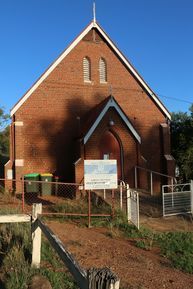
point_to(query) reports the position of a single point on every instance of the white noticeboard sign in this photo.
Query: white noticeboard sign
(100, 174)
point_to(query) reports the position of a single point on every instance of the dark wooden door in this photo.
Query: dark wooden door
(110, 149)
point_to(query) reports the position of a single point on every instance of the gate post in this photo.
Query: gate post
(23, 193)
(163, 201)
(128, 203)
(36, 236)
(136, 180)
(191, 195)
(121, 196)
(137, 211)
(89, 208)
(122, 184)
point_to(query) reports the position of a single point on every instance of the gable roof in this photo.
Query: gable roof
(99, 112)
(92, 25)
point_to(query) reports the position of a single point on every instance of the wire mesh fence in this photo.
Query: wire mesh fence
(11, 200)
(68, 199)
(57, 198)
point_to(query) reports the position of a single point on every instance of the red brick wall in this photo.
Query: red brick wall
(79, 168)
(127, 140)
(46, 141)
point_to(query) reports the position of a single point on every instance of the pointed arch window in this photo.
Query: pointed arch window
(103, 70)
(86, 69)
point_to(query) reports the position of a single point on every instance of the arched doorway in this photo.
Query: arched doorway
(110, 148)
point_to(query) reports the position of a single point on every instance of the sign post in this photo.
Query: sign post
(99, 175)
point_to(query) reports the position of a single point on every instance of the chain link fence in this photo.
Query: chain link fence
(57, 198)
(68, 200)
(11, 200)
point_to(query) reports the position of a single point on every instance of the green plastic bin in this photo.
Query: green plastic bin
(30, 186)
(46, 186)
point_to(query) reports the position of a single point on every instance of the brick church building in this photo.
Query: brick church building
(90, 103)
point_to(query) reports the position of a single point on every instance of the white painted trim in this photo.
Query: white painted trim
(15, 218)
(18, 123)
(93, 24)
(51, 68)
(19, 162)
(112, 103)
(169, 157)
(164, 124)
(76, 162)
(143, 158)
(9, 175)
(123, 58)
(7, 163)
(129, 125)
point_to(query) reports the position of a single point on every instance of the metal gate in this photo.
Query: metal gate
(177, 199)
(127, 200)
(133, 206)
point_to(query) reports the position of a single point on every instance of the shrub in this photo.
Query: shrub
(178, 248)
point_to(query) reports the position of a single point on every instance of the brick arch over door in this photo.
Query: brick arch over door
(110, 147)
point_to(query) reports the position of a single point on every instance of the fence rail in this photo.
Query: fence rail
(68, 199)
(57, 198)
(93, 278)
(65, 199)
(151, 179)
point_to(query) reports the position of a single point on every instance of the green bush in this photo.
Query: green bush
(178, 248)
(58, 280)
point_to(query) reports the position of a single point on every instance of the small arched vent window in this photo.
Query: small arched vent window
(103, 70)
(86, 69)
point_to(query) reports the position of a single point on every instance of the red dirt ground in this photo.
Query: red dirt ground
(136, 268)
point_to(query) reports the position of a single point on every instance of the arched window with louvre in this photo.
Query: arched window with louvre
(102, 70)
(87, 69)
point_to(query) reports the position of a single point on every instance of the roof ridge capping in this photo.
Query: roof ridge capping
(93, 24)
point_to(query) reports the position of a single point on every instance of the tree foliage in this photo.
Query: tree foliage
(182, 142)
(4, 142)
(4, 133)
(3, 119)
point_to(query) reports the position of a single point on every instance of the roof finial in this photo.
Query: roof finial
(94, 12)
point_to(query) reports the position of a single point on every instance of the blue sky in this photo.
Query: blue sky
(156, 37)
